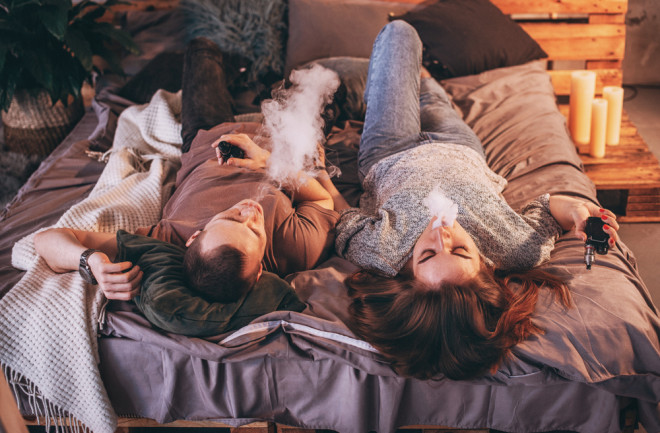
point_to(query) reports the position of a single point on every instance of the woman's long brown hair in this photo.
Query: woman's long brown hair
(456, 330)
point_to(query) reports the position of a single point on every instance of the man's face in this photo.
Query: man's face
(242, 227)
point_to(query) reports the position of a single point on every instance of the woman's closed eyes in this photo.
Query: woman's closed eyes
(459, 251)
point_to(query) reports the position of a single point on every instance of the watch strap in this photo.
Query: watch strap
(84, 268)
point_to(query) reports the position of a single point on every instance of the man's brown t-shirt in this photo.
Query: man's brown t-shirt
(299, 237)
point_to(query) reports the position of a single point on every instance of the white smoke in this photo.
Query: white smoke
(441, 207)
(293, 121)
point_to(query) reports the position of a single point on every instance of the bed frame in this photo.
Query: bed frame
(576, 34)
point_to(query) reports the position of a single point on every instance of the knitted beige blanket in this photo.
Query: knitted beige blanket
(48, 321)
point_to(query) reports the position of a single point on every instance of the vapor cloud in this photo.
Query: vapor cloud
(293, 121)
(441, 207)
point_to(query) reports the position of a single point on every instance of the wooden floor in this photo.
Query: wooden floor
(628, 177)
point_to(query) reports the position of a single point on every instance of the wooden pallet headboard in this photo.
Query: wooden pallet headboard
(596, 36)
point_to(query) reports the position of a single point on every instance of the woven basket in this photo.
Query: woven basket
(34, 126)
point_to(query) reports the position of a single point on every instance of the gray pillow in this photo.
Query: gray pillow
(353, 73)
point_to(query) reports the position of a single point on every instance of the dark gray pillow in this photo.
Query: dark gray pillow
(353, 73)
(467, 37)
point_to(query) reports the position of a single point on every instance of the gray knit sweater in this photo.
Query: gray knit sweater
(381, 233)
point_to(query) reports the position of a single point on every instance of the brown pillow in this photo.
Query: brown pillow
(332, 28)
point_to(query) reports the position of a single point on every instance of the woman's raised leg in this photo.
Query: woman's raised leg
(440, 122)
(392, 95)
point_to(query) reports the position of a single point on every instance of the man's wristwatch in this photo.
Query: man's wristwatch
(84, 269)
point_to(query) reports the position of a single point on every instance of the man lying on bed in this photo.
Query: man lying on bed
(230, 237)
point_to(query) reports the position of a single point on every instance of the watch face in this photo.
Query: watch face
(87, 275)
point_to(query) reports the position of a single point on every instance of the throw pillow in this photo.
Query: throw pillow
(331, 28)
(352, 72)
(167, 303)
(466, 37)
(254, 29)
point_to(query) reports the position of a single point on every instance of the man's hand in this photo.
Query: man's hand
(119, 281)
(61, 249)
(255, 157)
(571, 213)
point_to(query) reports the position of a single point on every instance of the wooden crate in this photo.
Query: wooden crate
(593, 33)
(627, 177)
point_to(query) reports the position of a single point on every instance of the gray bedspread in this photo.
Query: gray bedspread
(307, 369)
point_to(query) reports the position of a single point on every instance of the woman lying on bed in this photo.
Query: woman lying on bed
(435, 300)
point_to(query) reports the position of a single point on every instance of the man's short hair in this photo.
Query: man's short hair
(218, 275)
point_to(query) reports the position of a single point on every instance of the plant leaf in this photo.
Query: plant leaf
(3, 56)
(95, 13)
(22, 3)
(9, 79)
(41, 70)
(79, 46)
(55, 18)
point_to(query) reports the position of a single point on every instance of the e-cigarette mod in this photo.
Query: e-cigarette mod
(228, 150)
(597, 240)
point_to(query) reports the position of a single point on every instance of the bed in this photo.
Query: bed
(596, 363)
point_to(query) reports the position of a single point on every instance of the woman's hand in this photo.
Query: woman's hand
(571, 213)
(120, 281)
(255, 157)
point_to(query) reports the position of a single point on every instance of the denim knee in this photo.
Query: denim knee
(403, 33)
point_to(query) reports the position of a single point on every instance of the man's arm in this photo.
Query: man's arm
(338, 200)
(256, 158)
(61, 248)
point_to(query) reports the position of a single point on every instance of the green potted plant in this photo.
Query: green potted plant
(47, 52)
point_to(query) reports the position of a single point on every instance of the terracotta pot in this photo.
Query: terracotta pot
(34, 126)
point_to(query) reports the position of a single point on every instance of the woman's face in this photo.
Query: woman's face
(445, 254)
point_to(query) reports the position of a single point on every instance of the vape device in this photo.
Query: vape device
(597, 240)
(228, 150)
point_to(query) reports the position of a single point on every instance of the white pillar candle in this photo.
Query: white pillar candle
(583, 87)
(614, 97)
(598, 127)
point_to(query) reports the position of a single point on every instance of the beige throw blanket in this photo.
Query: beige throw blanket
(48, 321)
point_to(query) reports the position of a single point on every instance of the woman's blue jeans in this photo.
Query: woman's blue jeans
(402, 111)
